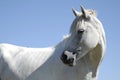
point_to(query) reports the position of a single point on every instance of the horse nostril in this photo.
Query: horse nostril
(80, 31)
(64, 57)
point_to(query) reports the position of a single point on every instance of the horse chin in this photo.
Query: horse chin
(69, 64)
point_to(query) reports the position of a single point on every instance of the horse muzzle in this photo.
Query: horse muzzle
(70, 61)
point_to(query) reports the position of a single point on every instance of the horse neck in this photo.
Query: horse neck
(63, 45)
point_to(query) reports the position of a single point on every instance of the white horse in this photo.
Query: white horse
(83, 49)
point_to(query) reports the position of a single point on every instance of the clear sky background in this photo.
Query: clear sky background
(42, 23)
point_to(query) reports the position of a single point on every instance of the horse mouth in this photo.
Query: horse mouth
(67, 62)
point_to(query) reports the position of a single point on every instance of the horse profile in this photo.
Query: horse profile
(76, 57)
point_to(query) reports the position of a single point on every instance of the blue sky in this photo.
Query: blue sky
(42, 23)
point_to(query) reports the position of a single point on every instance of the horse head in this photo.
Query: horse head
(84, 36)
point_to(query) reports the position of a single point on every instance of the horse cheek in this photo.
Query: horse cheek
(92, 40)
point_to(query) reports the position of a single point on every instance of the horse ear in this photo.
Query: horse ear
(83, 12)
(76, 13)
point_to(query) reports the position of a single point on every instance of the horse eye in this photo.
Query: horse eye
(80, 31)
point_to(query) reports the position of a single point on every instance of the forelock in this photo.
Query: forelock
(91, 12)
